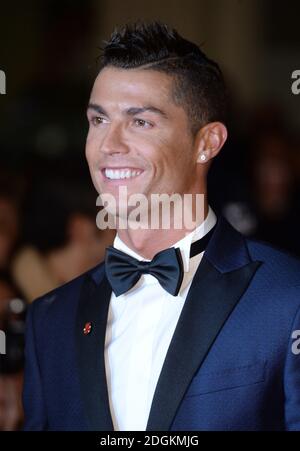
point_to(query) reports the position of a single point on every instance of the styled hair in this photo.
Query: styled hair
(198, 84)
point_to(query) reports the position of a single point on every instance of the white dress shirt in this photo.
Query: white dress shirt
(139, 330)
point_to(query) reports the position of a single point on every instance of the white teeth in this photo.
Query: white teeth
(116, 174)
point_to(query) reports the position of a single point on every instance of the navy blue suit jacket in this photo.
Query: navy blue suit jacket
(232, 363)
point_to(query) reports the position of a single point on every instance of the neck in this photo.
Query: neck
(149, 242)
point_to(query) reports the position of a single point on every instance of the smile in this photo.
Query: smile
(121, 173)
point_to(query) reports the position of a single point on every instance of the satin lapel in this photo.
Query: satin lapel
(93, 308)
(211, 298)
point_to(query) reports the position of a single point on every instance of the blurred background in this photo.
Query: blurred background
(48, 51)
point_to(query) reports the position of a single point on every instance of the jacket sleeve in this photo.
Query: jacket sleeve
(33, 400)
(292, 378)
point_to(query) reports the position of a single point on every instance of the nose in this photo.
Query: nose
(114, 142)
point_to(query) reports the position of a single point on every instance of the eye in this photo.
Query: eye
(141, 123)
(97, 120)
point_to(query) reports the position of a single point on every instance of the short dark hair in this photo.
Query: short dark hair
(198, 86)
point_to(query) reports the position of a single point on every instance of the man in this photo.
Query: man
(179, 329)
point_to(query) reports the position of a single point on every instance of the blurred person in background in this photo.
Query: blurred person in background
(12, 323)
(12, 308)
(9, 219)
(260, 175)
(274, 180)
(60, 237)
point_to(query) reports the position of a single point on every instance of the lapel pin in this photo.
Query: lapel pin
(87, 328)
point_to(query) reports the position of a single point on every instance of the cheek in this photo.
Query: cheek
(90, 148)
(175, 158)
(88, 154)
(183, 153)
(91, 136)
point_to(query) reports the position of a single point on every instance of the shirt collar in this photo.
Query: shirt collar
(184, 243)
(199, 232)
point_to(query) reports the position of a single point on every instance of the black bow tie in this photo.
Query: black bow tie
(123, 271)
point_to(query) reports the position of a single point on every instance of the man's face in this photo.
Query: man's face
(136, 128)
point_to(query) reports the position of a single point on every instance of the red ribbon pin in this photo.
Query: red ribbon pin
(87, 328)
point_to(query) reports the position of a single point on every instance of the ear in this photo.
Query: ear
(210, 140)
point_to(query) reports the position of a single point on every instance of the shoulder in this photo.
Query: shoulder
(66, 297)
(274, 291)
(278, 267)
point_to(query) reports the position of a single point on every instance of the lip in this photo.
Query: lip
(119, 181)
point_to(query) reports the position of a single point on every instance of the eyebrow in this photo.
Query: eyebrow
(132, 111)
(97, 108)
(138, 110)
